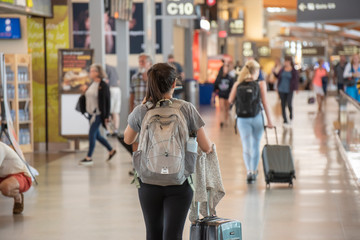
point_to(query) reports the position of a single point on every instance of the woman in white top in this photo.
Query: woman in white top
(98, 107)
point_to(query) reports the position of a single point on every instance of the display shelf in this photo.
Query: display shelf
(19, 92)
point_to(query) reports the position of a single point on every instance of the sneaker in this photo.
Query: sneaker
(254, 175)
(19, 206)
(111, 154)
(86, 162)
(249, 177)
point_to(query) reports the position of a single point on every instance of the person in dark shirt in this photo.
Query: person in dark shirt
(222, 87)
(180, 74)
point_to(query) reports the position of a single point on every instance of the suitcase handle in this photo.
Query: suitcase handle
(266, 135)
(207, 206)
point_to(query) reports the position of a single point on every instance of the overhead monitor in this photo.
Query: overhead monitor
(10, 28)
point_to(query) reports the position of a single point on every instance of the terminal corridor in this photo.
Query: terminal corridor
(98, 202)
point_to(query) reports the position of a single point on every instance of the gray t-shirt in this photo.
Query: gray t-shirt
(192, 116)
(112, 76)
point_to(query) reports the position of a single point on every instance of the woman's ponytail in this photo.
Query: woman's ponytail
(161, 77)
(249, 69)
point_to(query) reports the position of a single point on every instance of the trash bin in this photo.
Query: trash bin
(192, 92)
(206, 91)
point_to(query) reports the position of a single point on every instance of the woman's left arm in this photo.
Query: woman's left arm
(130, 135)
(265, 105)
(232, 95)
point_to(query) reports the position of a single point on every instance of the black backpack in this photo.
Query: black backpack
(248, 99)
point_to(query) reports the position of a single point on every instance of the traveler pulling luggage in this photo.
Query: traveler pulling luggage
(277, 162)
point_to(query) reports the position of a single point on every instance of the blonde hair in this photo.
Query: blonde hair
(100, 70)
(249, 69)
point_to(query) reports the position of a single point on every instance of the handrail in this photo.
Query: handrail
(350, 99)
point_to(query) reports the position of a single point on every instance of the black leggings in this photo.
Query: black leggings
(286, 99)
(165, 210)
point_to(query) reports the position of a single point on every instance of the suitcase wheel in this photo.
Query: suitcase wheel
(291, 184)
(268, 184)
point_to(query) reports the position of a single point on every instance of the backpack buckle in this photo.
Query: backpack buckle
(158, 104)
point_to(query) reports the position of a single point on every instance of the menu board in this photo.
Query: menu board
(74, 66)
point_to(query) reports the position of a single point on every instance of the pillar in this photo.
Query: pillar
(254, 19)
(122, 54)
(97, 32)
(150, 28)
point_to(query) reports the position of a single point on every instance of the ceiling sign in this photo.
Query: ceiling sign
(264, 51)
(328, 10)
(180, 8)
(236, 27)
(313, 51)
(346, 50)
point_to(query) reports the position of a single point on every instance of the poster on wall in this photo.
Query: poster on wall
(136, 29)
(74, 66)
(81, 28)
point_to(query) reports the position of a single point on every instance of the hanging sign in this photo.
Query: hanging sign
(327, 10)
(236, 27)
(313, 51)
(346, 50)
(180, 8)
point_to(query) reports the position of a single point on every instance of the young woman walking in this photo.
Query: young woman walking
(288, 82)
(165, 207)
(318, 87)
(251, 128)
(98, 106)
(222, 87)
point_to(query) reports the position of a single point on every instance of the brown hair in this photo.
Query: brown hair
(161, 77)
(100, 70)
(290, 59)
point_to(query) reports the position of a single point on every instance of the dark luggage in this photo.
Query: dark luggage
(278, 163)
(215, 228)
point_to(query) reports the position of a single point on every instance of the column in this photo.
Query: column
(122, 52)
(188, 60)
(254, 18)
(97, 32)
(167, 37)
(150, 28)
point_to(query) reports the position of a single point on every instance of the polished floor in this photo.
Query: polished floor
(98, 202)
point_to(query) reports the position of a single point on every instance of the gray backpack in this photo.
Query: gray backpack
(161, 158)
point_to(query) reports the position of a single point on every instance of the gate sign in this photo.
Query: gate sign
(313, 51)
(180, 8)
(327, 10)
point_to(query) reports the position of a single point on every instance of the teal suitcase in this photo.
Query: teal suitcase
(215, 228)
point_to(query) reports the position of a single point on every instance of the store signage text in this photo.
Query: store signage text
(180, 7)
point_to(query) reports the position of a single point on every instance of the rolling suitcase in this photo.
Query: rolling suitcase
(215, 228)
(277, 162)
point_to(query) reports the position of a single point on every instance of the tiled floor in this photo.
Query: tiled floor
(76, 202)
